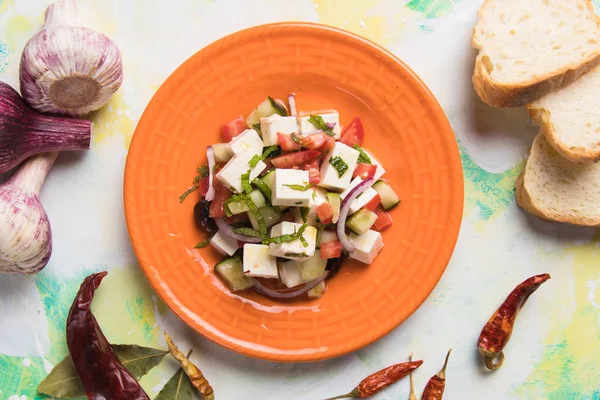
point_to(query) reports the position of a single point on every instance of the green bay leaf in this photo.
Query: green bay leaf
(63, 381)
(179, 387)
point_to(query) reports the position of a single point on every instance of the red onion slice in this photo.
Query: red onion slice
(227, 230)
(210, 154)
(276, 294)
(292, 102)
(345, 209)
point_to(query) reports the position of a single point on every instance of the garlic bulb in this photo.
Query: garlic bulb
(69, 69)
(25, 233)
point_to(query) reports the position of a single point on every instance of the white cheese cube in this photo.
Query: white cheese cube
(318, 196)
(326, 236)
(224, 244)
(363, 199)
(352, 185)
(258, 262)
(231, 174)
(367, 246)
(330, 178)
(246, 141)
(284, 195)
(293, 250)
(330, 118)
(269, 127)
(380, 170)
(222, 152)
(290, 273)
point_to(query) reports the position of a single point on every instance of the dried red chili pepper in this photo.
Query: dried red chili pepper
(100, 371)
(380, 380)
(434, 390)
(496, 333)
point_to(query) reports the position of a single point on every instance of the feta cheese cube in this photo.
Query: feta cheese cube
(246, 141)
(318, 196)
(231, 174)
(363, 199)
(368, 245)
(293, 250)
(269, 127)
(380, 170)
(352, 185)
(290, 273)
(329, 118)
(326, 236)
(284, 195)
(330, 178)
(258, 262)
(224, 244)
(222, 152)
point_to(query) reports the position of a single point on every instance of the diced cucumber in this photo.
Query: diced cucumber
(314, 267)
(238, 207)
(222, 153)
(265, 109)
(361, 221)
(325, 236)
(271, 216)
(269, 179)
(318, 291)
(232, 272)
(335, 201)
(389, 198)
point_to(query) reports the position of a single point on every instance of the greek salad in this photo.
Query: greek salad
(287, 196)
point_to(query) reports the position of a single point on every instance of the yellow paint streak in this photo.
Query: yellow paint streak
(111, 120)
(19, 26)
(5, 5)
(338, 13)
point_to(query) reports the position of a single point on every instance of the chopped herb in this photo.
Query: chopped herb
(263, 187)
(246, 182)
(187, 193)
(288, 238)
(304, 213)
(278, 108)
(296, 138)
(256, 127)
(363, 157)
(247, 232)
(303, 241)
(340, 165)
(320, 124)
(234, 198)
(299, 188)
(202, 244)
(296, 255)
(202, 171)
(314, 195)
(197, 180)
(268, 150)
(298, 203)
(254, 160)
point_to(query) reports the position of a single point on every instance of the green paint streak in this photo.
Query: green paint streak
(3, 55)
(492, 192)
(432, 8)
(138, 310)
(17, 379)
(596, 5)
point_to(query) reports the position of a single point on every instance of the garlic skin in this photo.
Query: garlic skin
(69, 69)
(25, 232)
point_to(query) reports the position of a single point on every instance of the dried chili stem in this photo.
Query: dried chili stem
(380, 380)
(412, 395)
(434, 390)
(196, 377)
(498, 330)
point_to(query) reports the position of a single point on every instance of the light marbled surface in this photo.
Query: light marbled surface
(554, 352)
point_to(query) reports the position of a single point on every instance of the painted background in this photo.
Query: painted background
(555, 351)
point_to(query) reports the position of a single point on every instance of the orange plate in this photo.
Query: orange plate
(327, 68)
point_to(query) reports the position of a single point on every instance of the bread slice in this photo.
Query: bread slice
(554, 188)
(570, 118)
(527, 48)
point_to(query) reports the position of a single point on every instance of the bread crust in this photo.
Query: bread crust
(542, 117)
(527, 203)
(497, 94)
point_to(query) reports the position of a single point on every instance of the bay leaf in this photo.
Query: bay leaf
(63, 381)
(179, 387)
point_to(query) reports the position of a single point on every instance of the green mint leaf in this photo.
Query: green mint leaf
(247, 232)
(304, 213)
(296, 254)
(296, 138)
(340, 165)
(203, 244)
(363, 157)
(278, 108)
(320, 124)
(269, 150)
(263, 187)
(189, 191)
(202, 171)
(299, 188)
(246, 182)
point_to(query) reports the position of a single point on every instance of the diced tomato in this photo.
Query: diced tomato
(364, 171)
(203, 186)
(328, 144)
(233, 128)
(286, 142)
(353, 133)
(325, 213)
(313, 141)
(331, 249)
(221, 194)
(384, 220)
(291, 159)
(314, 171)
(373, 203)
(237, 218)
